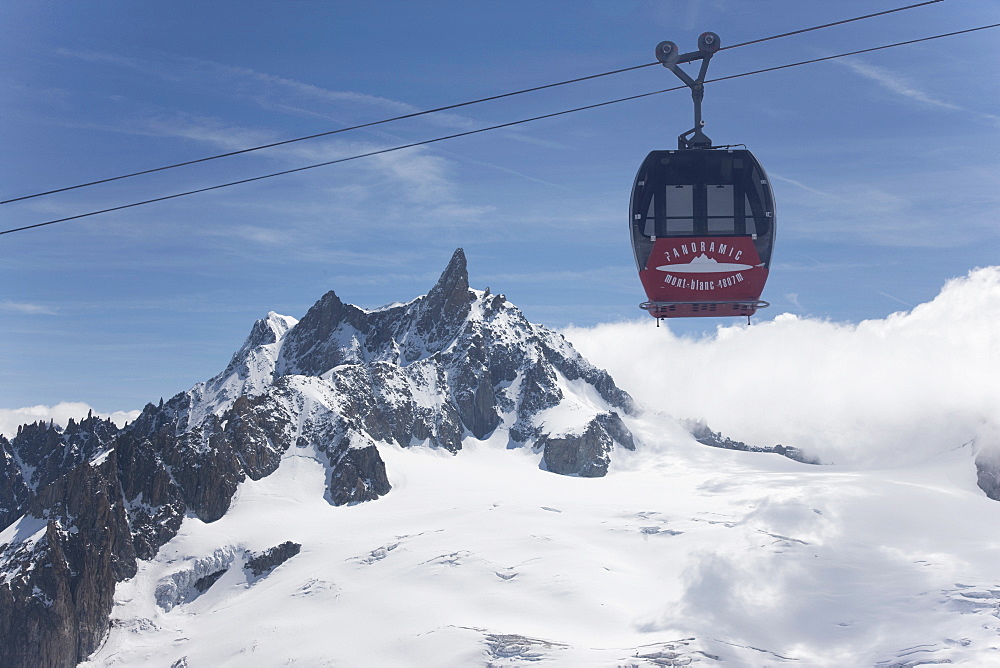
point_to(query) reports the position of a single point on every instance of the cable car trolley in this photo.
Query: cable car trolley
(701, 217)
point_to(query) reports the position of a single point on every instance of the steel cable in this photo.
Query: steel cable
(495, 127)
(440, 109)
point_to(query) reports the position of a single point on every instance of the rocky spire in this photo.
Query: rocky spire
(449, 298)
(447, 304)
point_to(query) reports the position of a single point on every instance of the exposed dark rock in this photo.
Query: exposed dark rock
(378, 401)
(447, 303)
(155, 502)
(706, 436)
(313, 347)
(588, 454)
(473, 395)
(14, 491)
(268, 560)
(357, 475)
(41, 453)
(37, 614)
(165, 473)
(203, 583)
(988, 472)
(58, 587)
(612, 423)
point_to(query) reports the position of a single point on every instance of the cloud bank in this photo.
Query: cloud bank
(12, 418)
(878, 393)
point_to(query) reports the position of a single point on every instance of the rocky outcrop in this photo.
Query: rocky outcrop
(60, 568)
(988, 472)
(704, 435)
(268, 560)
(587, 454)
(14, 491)
(357, 475)
(41, 453)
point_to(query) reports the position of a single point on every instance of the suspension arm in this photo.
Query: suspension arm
(670, 56)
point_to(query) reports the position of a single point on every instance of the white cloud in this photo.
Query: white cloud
(421, 177)
(12, 418)
(264, 89)
(26, 308)
(803, 186)
(903, 388)
(902, 210)
(208, 130)
(898, 84)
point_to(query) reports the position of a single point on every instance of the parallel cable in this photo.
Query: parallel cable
(444, 108)
(494, 127)
(854, 53)
(828, 25)
(331, 132)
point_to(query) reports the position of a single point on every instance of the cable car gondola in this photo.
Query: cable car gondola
(701, 217)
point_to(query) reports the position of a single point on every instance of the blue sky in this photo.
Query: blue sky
(885, 166)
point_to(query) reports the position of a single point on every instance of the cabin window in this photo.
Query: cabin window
(649, 229)
(721, 209)
(680, 227)
(751, 225)
(679, 209)
(720, 201)
(680, 201)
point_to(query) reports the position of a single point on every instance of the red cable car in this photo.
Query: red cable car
(702, 218)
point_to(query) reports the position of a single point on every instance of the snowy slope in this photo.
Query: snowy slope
(681, 554)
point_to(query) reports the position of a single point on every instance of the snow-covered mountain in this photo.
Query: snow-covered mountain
(452, 366)
(376, 487)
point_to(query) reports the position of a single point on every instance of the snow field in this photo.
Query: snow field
(706, 555)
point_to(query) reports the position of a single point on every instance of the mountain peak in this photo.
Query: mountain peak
(313, 346)
(455, 276)
(448, 302)
(341, 383)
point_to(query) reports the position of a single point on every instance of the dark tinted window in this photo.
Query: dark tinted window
(702, 193)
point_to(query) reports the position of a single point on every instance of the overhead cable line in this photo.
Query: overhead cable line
(829, 25)
(495, 127)
(444, 108)
(331, 132)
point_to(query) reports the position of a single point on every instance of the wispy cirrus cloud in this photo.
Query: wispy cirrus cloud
(422, 179)
(265, 89)
(208, 130)
(274, 92)
(103, 58)
(803, 186)
(897, 83)
(416, 173)
(26, 308)
(894, 210)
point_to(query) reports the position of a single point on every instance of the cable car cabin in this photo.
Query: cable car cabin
(702, 230)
